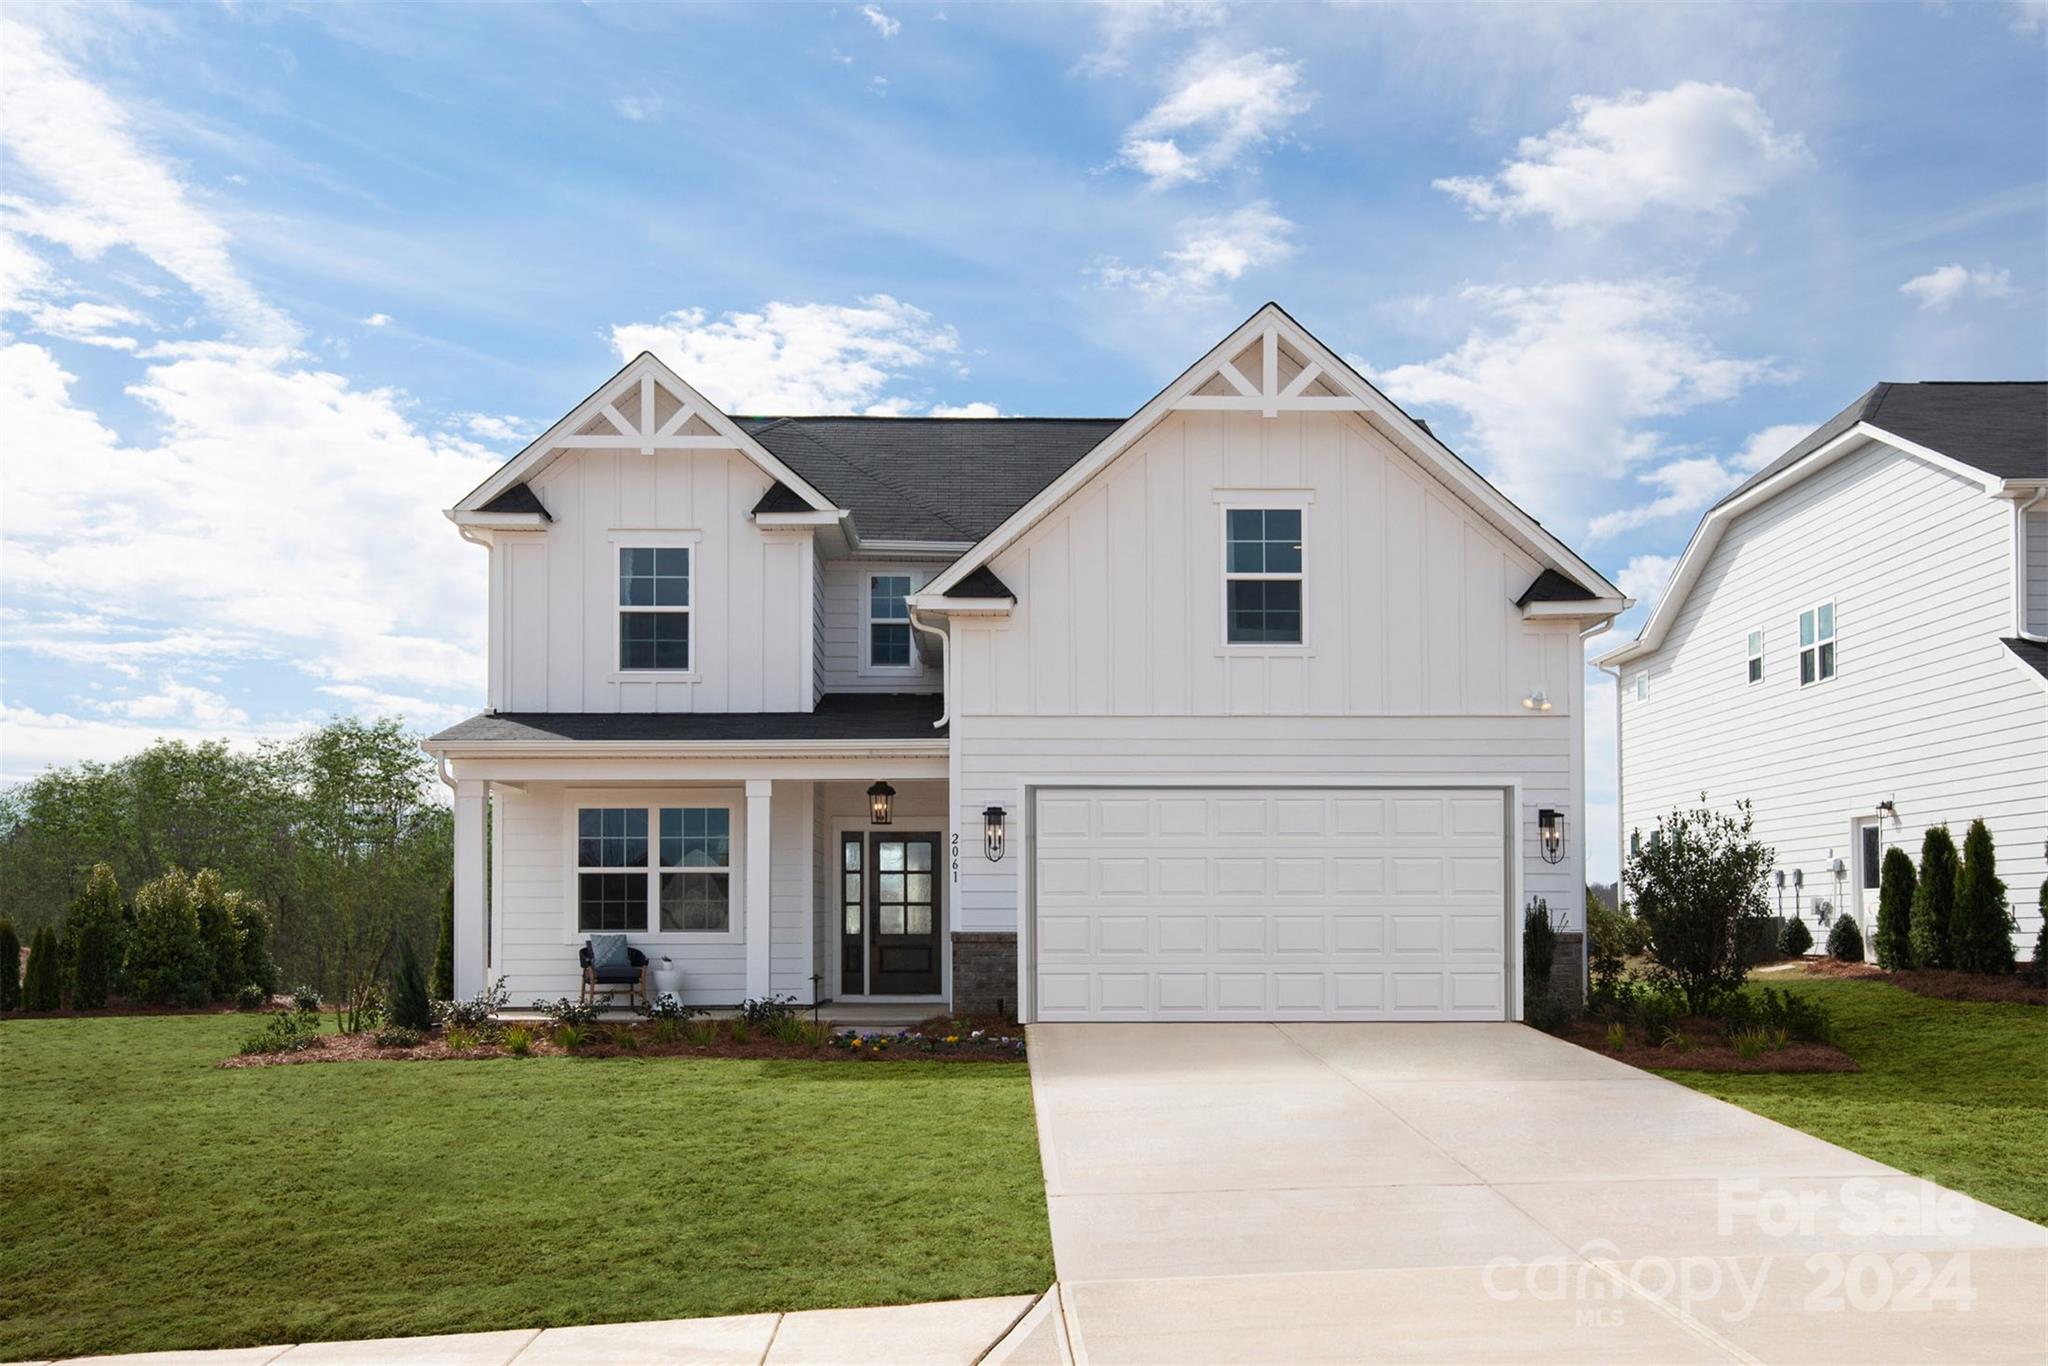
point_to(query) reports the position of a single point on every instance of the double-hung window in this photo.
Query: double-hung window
(1643, 687)
(654, 608)
(686, 873)
(1756, 655)
(889, 622)
(1817, 644)
(1262, 576)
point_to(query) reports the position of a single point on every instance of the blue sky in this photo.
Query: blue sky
(280, 282)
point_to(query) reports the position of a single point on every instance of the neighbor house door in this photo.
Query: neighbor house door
(1869, 846)
(890, 915)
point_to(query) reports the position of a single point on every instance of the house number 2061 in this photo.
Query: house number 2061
(956, 858)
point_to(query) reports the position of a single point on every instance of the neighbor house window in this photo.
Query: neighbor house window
(889, 621)
(1262, 576)
(1643, 687)
(611, 869)
(687, 873)
(696, 868)
(1817, 644)
(654, 608)
(1756, 656)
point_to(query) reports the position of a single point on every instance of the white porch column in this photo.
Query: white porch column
(760, 847)
(470, 798)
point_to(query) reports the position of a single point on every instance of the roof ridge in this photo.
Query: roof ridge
(800, 418)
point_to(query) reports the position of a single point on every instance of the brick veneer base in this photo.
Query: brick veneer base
(1568, 970)
(985, 973)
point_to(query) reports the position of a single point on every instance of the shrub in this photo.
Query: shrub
(1845, 941)
(1539, 950)
(1617, 1037)
(1612, 938)
(478, 1010)
(738, 1030)
(460, 1040)
(1656, 1012)
(669, 1006)
(167, 959)
(409, 1006)
(1980, 929)
(219, 936)
(701, 1032)
(1694, 890)
(10, 967)
(665, 1032)
(1797, 940)
(253, 923)
(251, 997)
(1547, 1013)
(398, 1036)
(94, 930)
(563, 1011)
(2038, 969)
(1614, 998)
(1750, 1043)
(42, 984)
(305, 1000)
(1678, 1041)
(518, 1041)
(570, 1037)
(1776, 1011)
(443, 984)
(1934, 899)
(286, 1031)
(1894, 934)
(623, 1037)
(761, 1011)
(791, 1029)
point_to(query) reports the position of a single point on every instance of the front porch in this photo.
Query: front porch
(737, 878)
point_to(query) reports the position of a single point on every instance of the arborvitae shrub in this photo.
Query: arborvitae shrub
(1980, 928)
(1894, 933)
(10, 967)
(167, 960)
(1845, 941)
(215, 907)
(1934, 899)
(444, 951)
(409, 1007)
(42, 985)
(96, 931)
(1797, 940)
(257, 967)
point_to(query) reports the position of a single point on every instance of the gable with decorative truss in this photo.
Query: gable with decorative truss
(1269, 377)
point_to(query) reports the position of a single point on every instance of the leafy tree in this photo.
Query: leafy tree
(1795, 940)
(2038, 970)
(1894, 933)
(1934, 899)
(218, 932)
(444, 951)
(96, 933)
(42, 984)
(410, 1007)
(256, 969)
(168, 960)
(10, 967)
(1845, 941)
(1695, 892)
(1980, 930)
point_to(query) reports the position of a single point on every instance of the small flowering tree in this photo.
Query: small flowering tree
(1695, 892)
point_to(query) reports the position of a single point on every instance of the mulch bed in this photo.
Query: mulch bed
(598, 1044)
(1712, 1053)
(1940, 983)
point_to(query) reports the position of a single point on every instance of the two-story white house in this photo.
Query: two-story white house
(1256, 704)
(1856, 641)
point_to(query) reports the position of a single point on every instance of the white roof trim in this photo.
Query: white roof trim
(1579, 609)
(1272, 321)
(657, 749)
(504, 521)
(642, 369)
(1708, 534)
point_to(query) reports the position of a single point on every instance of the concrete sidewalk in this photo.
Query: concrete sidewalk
(950, 1333)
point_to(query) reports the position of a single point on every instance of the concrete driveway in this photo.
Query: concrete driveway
(1468, 1192)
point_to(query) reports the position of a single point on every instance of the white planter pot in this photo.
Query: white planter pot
(667, 980)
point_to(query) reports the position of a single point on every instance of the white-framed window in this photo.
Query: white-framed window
(1262, 576)
(654, 609)
(1817, 644)
(678, 882)
(1643, 686)
(889, 646)
(1755, 650)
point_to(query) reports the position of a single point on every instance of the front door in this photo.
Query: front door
(889, 914)
(1869, 864)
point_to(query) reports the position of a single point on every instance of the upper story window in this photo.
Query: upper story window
(654, 608)
(1817, 644)
(1262, 576)
(1756, 656)
(889, 622)
(1643, 687)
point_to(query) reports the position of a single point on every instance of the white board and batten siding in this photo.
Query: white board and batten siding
(1926, 709)
(1113, 670)
(554, 593)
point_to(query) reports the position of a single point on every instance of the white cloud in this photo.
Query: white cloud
(1943, 285)
(1124, 22)
(797, 358)
(377, 320)
(179, 701)
(37, 740)
(1770, 443)
(1695, 148)
(494, 428)
(1557, 386)
(1220, 107)
(637, 108)
(1212, 252)
(965, 410)
(884, 25)
(91, 323)
(417, 711)
(1688, 485)
(1645, 578)
(109, 192)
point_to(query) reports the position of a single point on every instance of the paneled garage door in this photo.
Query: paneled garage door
(1270, 904)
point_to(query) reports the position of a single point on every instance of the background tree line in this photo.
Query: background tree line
(342, 835)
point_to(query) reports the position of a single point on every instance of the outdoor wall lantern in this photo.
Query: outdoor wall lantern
(1550, 834)
(992, 833)
(878, 803)
(1888, 808)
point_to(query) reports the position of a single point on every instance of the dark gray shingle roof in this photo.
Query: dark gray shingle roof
(982, 583)
(929, 478)
(780, 497)
(1998, 427)
(1551, 586)
(518, 498)
(2031, 652)
(840, 716)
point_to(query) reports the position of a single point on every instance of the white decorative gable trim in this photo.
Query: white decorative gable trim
(1270, 365)
(600, 423)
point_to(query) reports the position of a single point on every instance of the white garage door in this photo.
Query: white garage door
(1270, 904)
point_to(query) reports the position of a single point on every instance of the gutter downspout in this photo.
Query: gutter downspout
(945, 667)
(1613, 671)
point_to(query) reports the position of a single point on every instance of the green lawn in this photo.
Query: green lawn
(1954, 1091)
(152, 1200)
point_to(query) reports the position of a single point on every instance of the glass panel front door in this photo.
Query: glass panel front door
(890, 915)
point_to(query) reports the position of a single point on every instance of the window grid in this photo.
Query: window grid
(686, 871)
(654, 608)
(608, 840)
(889, 621)
(1262, 570)
(1817, 644)
(1755, 648)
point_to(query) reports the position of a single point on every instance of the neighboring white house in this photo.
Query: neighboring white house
(1856, 640)
(1256, 704)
